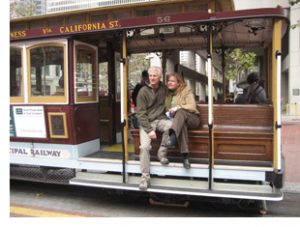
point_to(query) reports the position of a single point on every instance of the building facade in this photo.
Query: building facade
(54, 6)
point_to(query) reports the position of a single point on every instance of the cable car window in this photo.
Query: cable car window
(170, 9)
(144, 12)
(99, 17)
(47, 73)
(196, 7)
(85, 74)
(16, 75)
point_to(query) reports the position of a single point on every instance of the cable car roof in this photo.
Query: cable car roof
(244, 28)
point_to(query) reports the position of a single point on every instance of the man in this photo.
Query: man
(255, 93)
(150, 112)
(138, 87)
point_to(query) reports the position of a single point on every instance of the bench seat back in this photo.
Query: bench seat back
(241, 133)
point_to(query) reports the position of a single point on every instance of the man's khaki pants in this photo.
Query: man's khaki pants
(160, 125)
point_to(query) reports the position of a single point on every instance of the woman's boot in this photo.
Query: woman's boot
(186, 161)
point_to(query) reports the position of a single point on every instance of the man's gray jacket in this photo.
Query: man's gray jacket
(151, 105)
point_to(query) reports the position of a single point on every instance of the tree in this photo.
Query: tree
(137, 63)
(294, 2)
(22, 9)
(239, 63)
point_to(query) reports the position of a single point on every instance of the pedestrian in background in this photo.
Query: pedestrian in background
(139, 85)
(256, 94)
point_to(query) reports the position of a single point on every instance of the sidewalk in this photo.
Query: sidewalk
(291, 152)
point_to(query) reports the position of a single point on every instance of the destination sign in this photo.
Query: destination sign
(108, 25)
(144, 22)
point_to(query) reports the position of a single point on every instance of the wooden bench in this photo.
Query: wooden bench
(242, 133)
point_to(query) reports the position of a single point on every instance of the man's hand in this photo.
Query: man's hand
(152, 135)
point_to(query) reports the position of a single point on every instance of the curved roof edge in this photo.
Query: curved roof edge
(150, 21)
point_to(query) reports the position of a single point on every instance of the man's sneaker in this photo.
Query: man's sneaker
(144, 184)
(164, 161)
(162, 156)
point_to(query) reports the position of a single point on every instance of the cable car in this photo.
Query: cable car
(70, 81)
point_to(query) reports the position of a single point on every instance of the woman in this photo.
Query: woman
(181, 106)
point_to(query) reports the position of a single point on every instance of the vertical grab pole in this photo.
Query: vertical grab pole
(122, 62)
(276, 92)
(210, 121)
(278, 124)
(210, 107)
(25, 63)
(123, 78)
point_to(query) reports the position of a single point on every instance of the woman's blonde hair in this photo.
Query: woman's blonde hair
(180, 80)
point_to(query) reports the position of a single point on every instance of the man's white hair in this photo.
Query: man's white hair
(158, 70)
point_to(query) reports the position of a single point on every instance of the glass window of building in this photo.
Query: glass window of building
(198, 63)
(47, 73)
(16, 75)
(103, 79)
(85, 74)
(118, 76)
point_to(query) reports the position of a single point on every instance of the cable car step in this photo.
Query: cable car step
(192, 187)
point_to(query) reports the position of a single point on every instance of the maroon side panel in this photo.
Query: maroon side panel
(86, 121)
(82, 124)
(69, 122)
